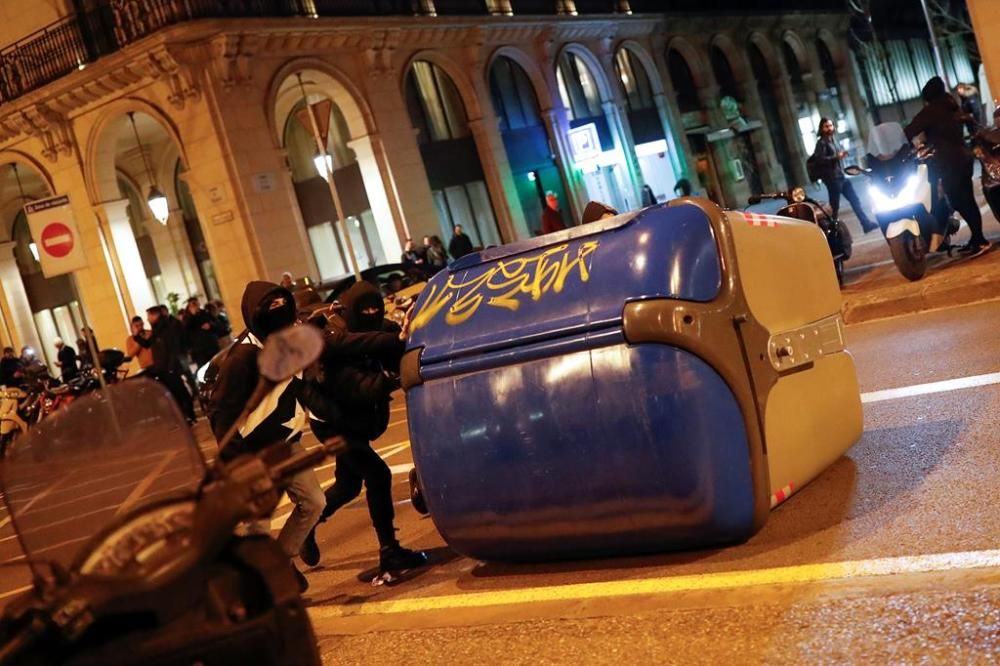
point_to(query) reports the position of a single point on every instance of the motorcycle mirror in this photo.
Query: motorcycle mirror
(289, 351)
(853, 170)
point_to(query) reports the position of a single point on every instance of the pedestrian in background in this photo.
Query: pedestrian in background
(437, 256)
(222, 328)
(460, 244)
(412, 257)
(11, 369)
(202, 332)
(682, 188)
(552, 219)
(66, 360)
(142, 355)
(941, 122)
(648, 198)
(287, 282)
(828, 158)
(166, 344)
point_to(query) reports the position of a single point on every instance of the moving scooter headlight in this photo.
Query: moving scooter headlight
(907, 196)
(798, 195)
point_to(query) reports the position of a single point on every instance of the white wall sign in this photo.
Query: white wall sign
(216, 194)
(54, 230)
(584, 142)
(265, 182)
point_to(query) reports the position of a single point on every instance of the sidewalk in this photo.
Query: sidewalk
(874, 289)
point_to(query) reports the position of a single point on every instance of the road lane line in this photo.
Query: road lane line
(807, 573)
(141, 488)
(972, 381)
(35, 499)
(12, 593)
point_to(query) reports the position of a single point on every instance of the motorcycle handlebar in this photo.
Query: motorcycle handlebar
(18, 646)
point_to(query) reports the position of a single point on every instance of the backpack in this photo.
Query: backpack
(209, 380)
(814, 168)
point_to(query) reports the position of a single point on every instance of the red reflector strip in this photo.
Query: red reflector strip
(782, 494)
(759, 220)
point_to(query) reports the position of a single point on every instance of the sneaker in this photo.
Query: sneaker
(397, 559)
(309, 551)
(300, 578)
(975, 249)
(870, 227)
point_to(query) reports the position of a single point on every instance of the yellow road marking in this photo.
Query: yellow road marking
(806, 573)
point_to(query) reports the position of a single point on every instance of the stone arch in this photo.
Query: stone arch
(332, 82)
(10, 206)
(802, 54)
(837, 53)
(593, 66)
(646, 59)
(455, 72)
(99, 167)
(766, 48)
(695, 63)
(737, 60)
(530, 67)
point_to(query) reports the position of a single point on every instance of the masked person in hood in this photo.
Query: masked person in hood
(275, 426)
(358, 369)
(941, 121)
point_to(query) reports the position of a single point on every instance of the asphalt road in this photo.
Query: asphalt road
(891, 555)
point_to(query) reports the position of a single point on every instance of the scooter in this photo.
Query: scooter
(802, 207)
(12, 422)
(155, 575)
(986, 148)
(901, 194)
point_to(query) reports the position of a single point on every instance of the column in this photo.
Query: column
(171, 267)
(185, 255)
(21, 319)
(499, 180)
(400, 160)
(789, 120)
(763, 145)
(857, 115)
(556, 124)
(390, 229)
(675, 147)
(138, 293)
(623, 141)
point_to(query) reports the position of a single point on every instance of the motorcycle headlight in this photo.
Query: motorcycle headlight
(907, 196)
(798, 195)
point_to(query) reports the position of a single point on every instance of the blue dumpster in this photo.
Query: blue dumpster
(610, 389)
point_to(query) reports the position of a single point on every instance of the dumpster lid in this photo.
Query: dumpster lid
(566, 283)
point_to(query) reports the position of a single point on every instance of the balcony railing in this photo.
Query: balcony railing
(74, 41)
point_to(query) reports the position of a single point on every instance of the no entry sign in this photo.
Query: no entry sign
(54, 231)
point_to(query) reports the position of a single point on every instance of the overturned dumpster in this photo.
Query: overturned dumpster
(654, 381)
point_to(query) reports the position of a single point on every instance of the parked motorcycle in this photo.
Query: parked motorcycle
(802, 207)
(150, 572)
(12, 416)
(901, 195)
(986, 147)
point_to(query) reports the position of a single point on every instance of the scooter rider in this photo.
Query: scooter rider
(275, 425)
(941, 122)
(358, 366)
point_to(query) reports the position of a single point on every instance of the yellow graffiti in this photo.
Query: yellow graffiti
(504, 284)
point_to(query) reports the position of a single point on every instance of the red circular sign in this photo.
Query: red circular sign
(57, 240)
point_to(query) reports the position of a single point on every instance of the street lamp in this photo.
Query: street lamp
(324, 165)
(156, 200)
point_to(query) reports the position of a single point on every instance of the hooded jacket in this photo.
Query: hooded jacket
(941, 122)
(360, 356)
(282, 414)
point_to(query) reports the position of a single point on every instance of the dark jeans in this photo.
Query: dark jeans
(834, 188)
(361, 464)
(175, 385)
(957, 184)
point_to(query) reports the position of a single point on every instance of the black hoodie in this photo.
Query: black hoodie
(941, 122)
(266, 308)
(358, 366)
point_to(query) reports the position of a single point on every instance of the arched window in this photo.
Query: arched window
(723, 71)
(683, 80)
(300, 144)
(514, 99)
(769, 104)
(635, 81)
(434, 104)
(577, 87)
(826, 64)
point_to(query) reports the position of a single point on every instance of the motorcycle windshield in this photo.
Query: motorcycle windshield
(81, 469)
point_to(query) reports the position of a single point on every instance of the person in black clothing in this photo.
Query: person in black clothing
(202, 331)
(275, 426)
(66, 360)
(941, 123)
(413, 258)
(358, 366)
(165, 342)
(11, 369)
(831, 172)
(460, 244)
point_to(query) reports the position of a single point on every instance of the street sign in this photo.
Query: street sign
(53, 228)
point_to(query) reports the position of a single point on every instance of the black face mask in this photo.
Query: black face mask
(368, 322)
(273, 315)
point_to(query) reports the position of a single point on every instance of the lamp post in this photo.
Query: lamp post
(938, 60)
(324, 165)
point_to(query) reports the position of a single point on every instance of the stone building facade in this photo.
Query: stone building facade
(425, 121)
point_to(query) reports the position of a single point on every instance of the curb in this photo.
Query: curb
(932, 297)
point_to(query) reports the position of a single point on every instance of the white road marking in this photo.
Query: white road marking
(932, 387)
(15, 592)
(806, 573)
(144, 485)
(36, 498)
